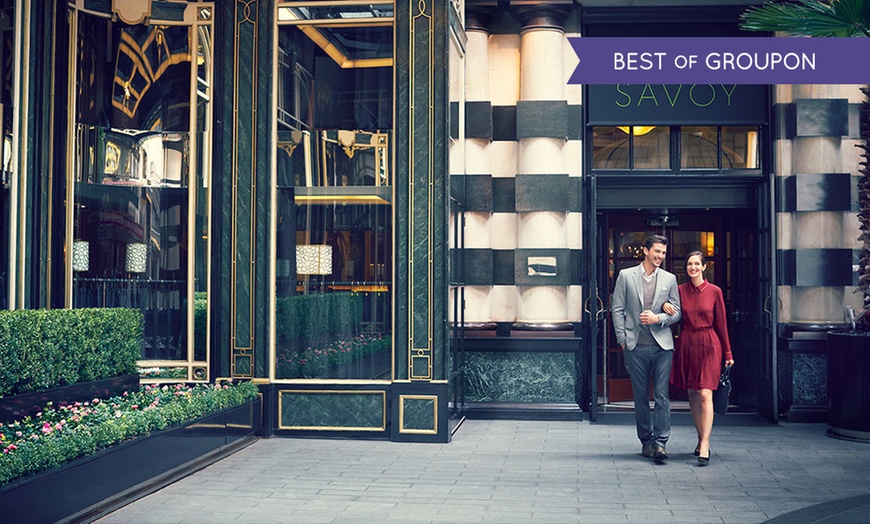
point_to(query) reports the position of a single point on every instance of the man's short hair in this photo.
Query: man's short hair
(655, 239)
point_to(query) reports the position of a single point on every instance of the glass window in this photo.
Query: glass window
(740, 147)
(631, 147)
(721, 148)
(334, 232)
(140, 182)
(611, 148)
(699, 147)
(7, 26)
(651, 147)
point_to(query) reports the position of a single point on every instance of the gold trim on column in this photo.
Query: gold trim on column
(434, 399)
(72, 61)
(421, 352)
(244, 351)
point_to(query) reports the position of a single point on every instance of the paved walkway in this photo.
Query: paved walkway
(528, 471)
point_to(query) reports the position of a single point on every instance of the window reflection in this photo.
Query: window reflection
(7, 26)
(140, 194)
(129, 249)
(333, 260)
(699, 147)
(740, 147)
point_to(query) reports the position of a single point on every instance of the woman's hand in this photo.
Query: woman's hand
(729, 363)
(669, 308)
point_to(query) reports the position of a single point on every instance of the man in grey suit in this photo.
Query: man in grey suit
(643, 331)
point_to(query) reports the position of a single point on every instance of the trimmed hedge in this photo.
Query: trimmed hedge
(315, 320)
(47, 348)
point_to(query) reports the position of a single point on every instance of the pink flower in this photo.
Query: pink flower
(18, 433)
(135, 406)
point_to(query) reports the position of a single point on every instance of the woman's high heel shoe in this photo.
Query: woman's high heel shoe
(703, 461)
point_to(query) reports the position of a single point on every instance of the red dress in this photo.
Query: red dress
(703, 340)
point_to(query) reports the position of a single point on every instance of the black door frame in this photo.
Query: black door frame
(752, 194)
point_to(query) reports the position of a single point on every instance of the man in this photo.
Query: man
(643, 331)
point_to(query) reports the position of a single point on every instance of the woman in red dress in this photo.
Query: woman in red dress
(702, 345)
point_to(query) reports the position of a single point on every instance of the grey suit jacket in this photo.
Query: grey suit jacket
(627, 304)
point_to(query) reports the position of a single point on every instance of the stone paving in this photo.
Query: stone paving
(504, 471)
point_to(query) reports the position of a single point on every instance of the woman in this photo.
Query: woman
(702, 345)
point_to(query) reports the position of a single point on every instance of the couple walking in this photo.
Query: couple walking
(645, 303)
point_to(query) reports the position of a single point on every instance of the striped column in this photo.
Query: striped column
(504, 83)
(542, 260)
(477, 184)
(817, 169)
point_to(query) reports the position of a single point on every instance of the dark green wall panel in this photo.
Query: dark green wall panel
(518, 377)
(332, 410)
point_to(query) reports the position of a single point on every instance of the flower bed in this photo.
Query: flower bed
(58, 435)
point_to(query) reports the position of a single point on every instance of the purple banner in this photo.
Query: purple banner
(724, 60)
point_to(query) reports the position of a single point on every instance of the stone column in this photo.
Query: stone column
(542, 256)
(478, 182)
(817, 169)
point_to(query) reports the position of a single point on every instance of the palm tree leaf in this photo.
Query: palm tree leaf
(839, 18)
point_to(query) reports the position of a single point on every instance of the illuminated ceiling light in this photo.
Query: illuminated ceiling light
(638, 130)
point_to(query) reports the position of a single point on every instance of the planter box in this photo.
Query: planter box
(849, 385)
(17, 407)
(90, 487)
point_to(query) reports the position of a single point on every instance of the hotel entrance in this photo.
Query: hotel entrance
(728, 238)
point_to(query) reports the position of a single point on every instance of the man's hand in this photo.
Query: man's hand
(648, 317)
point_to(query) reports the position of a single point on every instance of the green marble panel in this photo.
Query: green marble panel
(520, 377)
(419, 414)
(243, 365)
(244, 131)
(333, 410)
(420, 367)
(422, 173)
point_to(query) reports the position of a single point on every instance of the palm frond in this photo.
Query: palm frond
(834, 18)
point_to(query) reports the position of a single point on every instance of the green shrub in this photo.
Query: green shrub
(314, 320)
(42, 349)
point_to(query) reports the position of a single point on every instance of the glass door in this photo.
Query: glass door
(626, 231)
